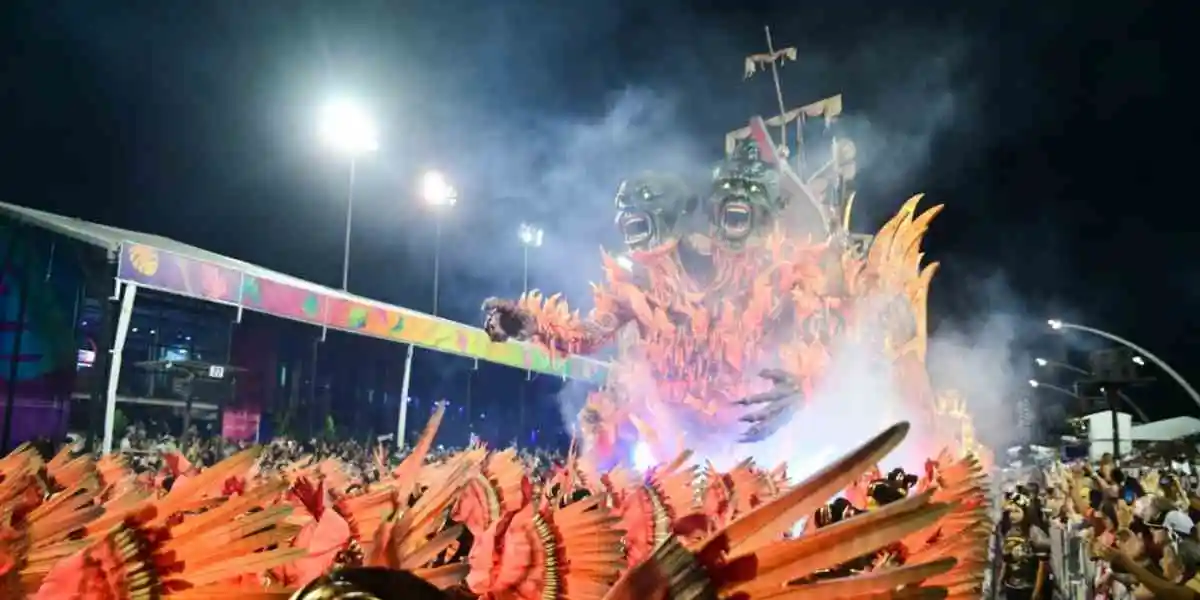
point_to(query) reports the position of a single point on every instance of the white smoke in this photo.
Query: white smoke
(858, 396)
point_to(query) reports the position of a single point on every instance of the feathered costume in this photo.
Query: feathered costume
(77, 528)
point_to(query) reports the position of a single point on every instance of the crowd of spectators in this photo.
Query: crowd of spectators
(1101, 531)
(144, 450)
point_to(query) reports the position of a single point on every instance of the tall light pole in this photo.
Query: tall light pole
(1058, 325)
(439, 194)
(531, 237)
(348, 130)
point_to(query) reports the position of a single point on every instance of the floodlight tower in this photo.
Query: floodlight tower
(348, 130)
(531, 237)
(441, 196)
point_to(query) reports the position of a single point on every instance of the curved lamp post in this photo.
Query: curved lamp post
(1053, 364)
(1033, 383)
(1057, 325)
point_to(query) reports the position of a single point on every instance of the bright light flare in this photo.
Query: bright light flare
(1033, 383)
(1055, 324)
(347, 128)
(625, 262)
(1041, 362)
(437, 191)
(1139, 361)
(531, 235)
(643, 457)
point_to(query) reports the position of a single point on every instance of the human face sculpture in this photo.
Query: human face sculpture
(651, 209)
(744, 198)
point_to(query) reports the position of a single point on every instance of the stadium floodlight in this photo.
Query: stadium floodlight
(437, 191)
(347, 128)
(531, 235)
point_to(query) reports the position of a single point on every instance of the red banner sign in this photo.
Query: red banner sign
(240, 425)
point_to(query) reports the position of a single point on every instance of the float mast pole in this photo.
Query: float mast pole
(778, 88)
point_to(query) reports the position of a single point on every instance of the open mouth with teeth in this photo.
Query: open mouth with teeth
(736, 218)
(637, 229)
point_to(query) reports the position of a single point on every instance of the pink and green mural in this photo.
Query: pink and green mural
(160, 269)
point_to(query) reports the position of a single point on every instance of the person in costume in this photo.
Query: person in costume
(370, 583)
(883, 492)
(1026, 551)
(836, 512)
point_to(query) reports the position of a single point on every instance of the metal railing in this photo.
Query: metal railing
(167, 386)
(1072, 570)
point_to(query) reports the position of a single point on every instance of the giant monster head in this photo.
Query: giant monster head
(745, 196)
(652, 209)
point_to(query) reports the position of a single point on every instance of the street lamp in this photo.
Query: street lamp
(1057, 325)
(531, 237)
(348, 130)
(1033, 383)
(439, 194)
(1041, 362)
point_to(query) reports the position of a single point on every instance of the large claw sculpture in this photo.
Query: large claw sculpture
(779, 404)
(505, 319)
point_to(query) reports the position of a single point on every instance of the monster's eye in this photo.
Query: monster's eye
(646, 194)
(726, 185)
(754, 187)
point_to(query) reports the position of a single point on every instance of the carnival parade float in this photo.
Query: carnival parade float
(733, 305)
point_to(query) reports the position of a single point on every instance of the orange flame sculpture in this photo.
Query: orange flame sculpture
(731, 314)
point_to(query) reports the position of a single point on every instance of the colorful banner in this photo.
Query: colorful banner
(172, 272)
(240, 425)
(283, 300)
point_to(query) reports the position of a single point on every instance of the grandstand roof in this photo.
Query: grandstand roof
(256, 288)
(1167, 429)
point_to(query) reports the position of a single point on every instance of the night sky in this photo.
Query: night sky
(1054, 131)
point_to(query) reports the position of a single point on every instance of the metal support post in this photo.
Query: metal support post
(114, 373)
(1113, 395)
(103, 363)
(402, 420)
